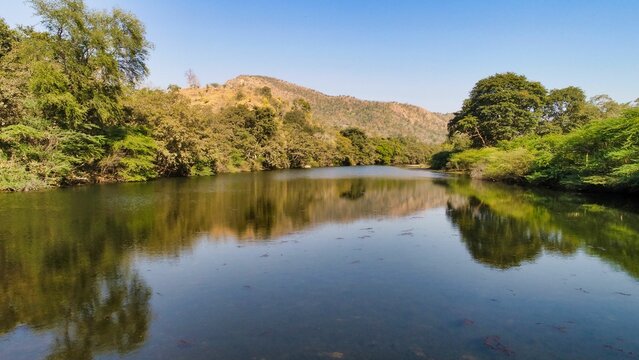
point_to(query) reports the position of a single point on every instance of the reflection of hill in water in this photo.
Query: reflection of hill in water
(271, 209)
(65, 255)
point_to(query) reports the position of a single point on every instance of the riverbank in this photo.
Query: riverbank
(7, 187)
(62, 125)
(602, 156)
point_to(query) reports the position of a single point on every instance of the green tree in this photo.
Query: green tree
(300, 116)
(7, 37)
(14, 73)
(565, 110)
(261, 123)
(365, 150)
(606, 106)
(500, 107)
(88, 60)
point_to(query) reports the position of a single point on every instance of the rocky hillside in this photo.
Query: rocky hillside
(375, 117)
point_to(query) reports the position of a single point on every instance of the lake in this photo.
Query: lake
(335, 263)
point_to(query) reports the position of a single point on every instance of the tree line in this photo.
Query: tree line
(72, 111)
(513, 129)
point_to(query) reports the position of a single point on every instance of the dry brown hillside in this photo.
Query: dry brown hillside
(375, 117)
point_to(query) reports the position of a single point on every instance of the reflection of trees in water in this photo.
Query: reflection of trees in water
(65, 255)
(65, 270)
(505, 226)
(113, 319)
(87, 312)
(492, 239)
(260, 217)
(356, 191)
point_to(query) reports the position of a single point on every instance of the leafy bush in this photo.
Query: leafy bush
(440, 159)
(132, 158)
(15, 177)
(469, 159)
(603, 154)
(512, 166)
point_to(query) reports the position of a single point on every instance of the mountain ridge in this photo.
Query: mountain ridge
(377, 118)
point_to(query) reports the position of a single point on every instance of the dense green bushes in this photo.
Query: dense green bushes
(604, 154)
(554, 139)
(70, 113)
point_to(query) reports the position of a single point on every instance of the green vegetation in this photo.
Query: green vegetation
(379, 119)
(511, 129)
(500, 107)
(71, 112)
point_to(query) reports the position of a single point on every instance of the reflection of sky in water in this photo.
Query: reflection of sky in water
(423, 271)
(386, 295)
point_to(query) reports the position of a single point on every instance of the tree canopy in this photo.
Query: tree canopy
(72, 111)
(565, 110)
(90, 58)
(500, 107)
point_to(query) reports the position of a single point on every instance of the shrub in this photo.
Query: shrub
(603, 154)
(16, 177)
(511, 166)
(469, 159)
(132, 158)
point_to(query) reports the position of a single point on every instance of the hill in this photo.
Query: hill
(375, 117)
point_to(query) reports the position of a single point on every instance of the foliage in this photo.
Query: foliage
(131, 158)
(71, 112)
(565, 110)
(363, 153)
(15, 177)
(500, 107)
(558, 139)
(603, 154)
(61, 92)
(607, 107)
(89, 59)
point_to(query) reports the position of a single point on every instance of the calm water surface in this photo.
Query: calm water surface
(345, 263)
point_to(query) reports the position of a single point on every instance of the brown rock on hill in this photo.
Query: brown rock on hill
(375, 117)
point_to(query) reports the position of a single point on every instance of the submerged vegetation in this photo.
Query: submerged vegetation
(71, 111)
(511, 129)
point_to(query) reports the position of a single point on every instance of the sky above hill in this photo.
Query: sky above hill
(428, 53)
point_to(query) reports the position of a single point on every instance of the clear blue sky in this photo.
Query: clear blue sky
(428, 53)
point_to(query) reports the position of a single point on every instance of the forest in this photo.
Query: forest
(73, 111)
(513, 129)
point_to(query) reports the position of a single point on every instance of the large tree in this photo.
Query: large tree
(500, 107)
(565, 110)
(85, 61)
(61, 92)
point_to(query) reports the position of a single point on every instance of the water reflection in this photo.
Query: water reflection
(67, 257)
(496, 240)
(113, 319)
(503, 226)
